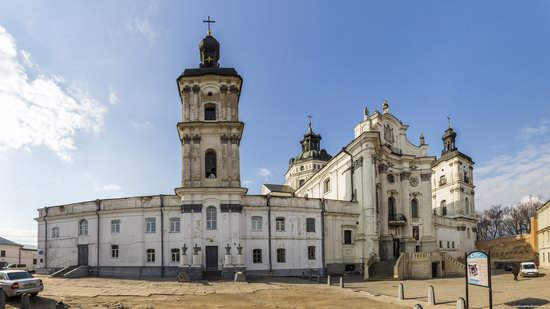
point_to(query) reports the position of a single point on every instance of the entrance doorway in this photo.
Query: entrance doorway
(396, 248)
(434, 270)
(211, 257)
(82, 255)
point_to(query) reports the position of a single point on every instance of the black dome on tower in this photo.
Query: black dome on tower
(209, 49)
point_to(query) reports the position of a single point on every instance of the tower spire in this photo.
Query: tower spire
(209, 21)
(309, 129)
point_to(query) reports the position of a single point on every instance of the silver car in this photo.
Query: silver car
(18, 282)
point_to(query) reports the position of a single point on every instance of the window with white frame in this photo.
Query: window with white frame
(114, 251)
(257, 256)
(175, 254)
(175, 225)
(257, 222)
(310, 225)
(83, 227)
(211, 218)
(115, 226)
(150, 225)
(150, 255)
(281, 255)
(55, 232)
(280, 224)
(311, 252)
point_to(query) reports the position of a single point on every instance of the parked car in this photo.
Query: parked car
(508, 267)
(528, 269)
(18, 282)
(16, 267)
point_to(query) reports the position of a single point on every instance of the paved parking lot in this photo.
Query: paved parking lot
(507, 293)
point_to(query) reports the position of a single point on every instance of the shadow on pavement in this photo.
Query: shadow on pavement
(34, 302)
(528, 302)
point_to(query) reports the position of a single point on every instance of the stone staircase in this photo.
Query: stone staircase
(61, 273)
(382, 270)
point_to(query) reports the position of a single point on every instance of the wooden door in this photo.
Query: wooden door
(82, 254)
(212, 257)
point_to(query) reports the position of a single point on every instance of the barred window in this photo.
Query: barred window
(311, 253)
(281, 256)
(257, 255)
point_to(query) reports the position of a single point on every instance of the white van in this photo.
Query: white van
(528, 269)
(17, 267)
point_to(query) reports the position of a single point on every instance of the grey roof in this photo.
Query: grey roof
(279, 188)
(4, 241)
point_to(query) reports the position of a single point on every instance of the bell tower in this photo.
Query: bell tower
(210, 131)
(210, 134)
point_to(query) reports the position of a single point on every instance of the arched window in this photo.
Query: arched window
(257, 223)
(211, 218)
(83, 227)
(443, 208)
(442, 180)
(302, 181)
(326, 185)
(209, 112)
(468, 232)
(467, 205)
(414, 208)
(301, 168)
(391, 208)
(210, 164)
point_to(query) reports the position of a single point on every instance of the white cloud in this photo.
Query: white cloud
(264, 173)
(247, 182)
(541, 129)
(140, 124)
(109, 187)
(113, 97)
(508, 179)
(141, 26)
(42, 111)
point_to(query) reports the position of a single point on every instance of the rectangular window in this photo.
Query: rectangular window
(416, 232)
(257, 255)
(175, 225)
(175, 255)
(114, 251)
(280, 224)
(150, 225)
(310, 225)
(115, 226)
(33, 261)
(3, 253)
(55, 232)
(281, 258)
(448, 244)
(347, 237)
(453, 244)
(440, 244)
(311, 253)
(150, 255)
(257, 223)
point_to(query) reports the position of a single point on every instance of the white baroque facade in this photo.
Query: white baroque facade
(373, 201)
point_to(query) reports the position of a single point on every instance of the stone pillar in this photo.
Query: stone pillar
(224, 139)
(196, 104)
(186, 164)
(186, 110)
(196, 160)
(234, 161)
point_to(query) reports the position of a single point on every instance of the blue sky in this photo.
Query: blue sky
(89, 103)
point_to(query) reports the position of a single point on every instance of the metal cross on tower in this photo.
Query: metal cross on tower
(209, 21)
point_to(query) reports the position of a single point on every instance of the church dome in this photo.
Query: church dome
(321, 155)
